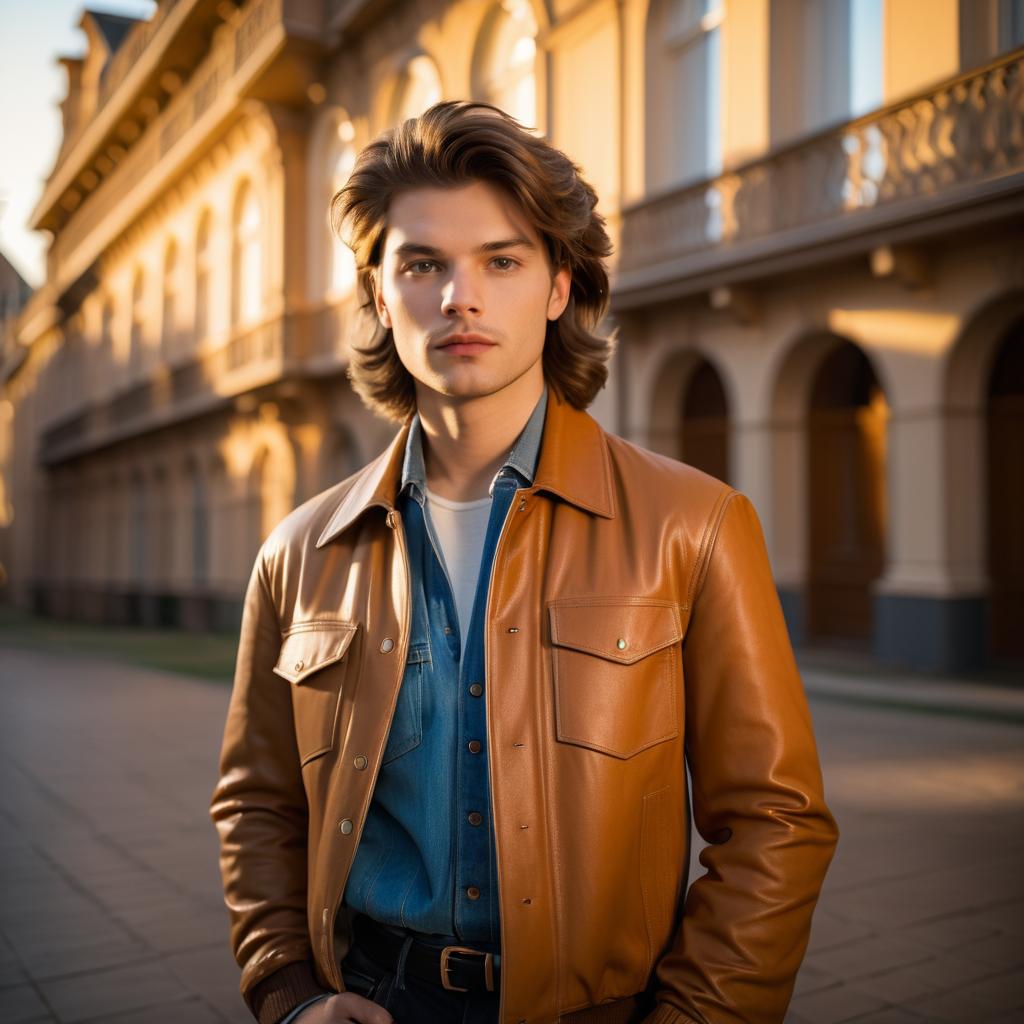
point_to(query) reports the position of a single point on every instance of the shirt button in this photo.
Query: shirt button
(346, 826)
(475, 817)
(359, 761)
(473, 892)
(474, 746)
(476, 689)
(387, 645)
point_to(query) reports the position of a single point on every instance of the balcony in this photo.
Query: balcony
(133, 87)
(904, 171)
(263, 54)
(251, 358)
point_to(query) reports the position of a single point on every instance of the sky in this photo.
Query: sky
(32, 35)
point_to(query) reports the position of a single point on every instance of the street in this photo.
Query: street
(111, 908)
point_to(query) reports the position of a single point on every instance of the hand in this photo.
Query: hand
(345, 1008)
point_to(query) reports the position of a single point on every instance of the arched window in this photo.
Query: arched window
(505, 60)
(684, 141)
(246, 259)
(826, 64)
(135, 339)
(105, 362)
(343, 262)
(169, 309)
(418, 88)
(202, 317)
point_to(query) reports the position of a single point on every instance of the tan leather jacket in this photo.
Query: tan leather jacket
(632, 622)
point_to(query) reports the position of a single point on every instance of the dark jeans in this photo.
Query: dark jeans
(412, 1001)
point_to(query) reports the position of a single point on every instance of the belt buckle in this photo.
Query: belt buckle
(488, 967)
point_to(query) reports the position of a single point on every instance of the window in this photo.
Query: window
(684, 88)
(826, 64)
(202, 315)
(247, 259)
(343, 262)
(504, 66)
(418, 88)
(169, 314)
(135, 339)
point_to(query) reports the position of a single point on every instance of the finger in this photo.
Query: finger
(362, 1011)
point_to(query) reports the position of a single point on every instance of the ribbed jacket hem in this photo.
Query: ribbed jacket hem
(279, 993)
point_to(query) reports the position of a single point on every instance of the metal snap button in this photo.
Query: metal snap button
(346, 826)
(621, 643)
(359, 761)
(473, 892)
(387, 645)
(476, 689)
(475, 817)
(474, 746)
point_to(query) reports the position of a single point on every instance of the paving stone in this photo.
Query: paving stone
(890, 1015)
(20, 1004)
(104, 993)
(191, 1011)
(867, 956)
(999, 993)
(999, 950)
(834, 1005)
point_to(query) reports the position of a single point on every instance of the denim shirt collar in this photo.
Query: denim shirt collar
(522, 457)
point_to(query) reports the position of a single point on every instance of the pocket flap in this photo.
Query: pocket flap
(311, 646)
(620, 629)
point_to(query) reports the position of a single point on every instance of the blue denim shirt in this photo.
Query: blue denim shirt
(426, 858)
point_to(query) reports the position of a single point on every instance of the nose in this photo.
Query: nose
(461, 295)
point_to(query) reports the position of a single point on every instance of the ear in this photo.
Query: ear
(378, 300)
(559, 298)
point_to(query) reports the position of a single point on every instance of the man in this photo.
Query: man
(471, 675)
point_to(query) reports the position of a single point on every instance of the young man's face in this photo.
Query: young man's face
(466, 261)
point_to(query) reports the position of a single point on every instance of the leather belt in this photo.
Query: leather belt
(454, 968)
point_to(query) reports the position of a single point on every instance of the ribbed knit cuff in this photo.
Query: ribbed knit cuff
(279, 993)
(665, 1013)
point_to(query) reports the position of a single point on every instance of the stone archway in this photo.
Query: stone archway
(847, 421)
(704, 434)
(690, 412)
(1005, 498)
(985, 478)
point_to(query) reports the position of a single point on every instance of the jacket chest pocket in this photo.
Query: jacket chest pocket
(312, 659)
(616, 672)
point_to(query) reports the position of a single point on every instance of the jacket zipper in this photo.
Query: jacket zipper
(394, 519)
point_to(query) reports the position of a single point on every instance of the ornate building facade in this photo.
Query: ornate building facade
(818, 288)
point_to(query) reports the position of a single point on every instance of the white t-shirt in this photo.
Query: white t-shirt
(461, 527)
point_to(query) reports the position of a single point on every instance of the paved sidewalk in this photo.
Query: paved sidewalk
(111, 908)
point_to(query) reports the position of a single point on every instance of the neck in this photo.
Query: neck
(466, 440)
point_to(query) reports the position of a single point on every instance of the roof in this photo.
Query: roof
(113, 27)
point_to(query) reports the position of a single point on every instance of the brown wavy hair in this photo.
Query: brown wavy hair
(454, 143)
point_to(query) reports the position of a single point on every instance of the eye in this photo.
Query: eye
(417, 266)
(507, 263)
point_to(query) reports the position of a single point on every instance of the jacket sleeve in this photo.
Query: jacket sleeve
(757, 793)
(260, 812)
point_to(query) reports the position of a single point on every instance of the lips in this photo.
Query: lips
(466, 344)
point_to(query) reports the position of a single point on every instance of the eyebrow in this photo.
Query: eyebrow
(422, 249)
